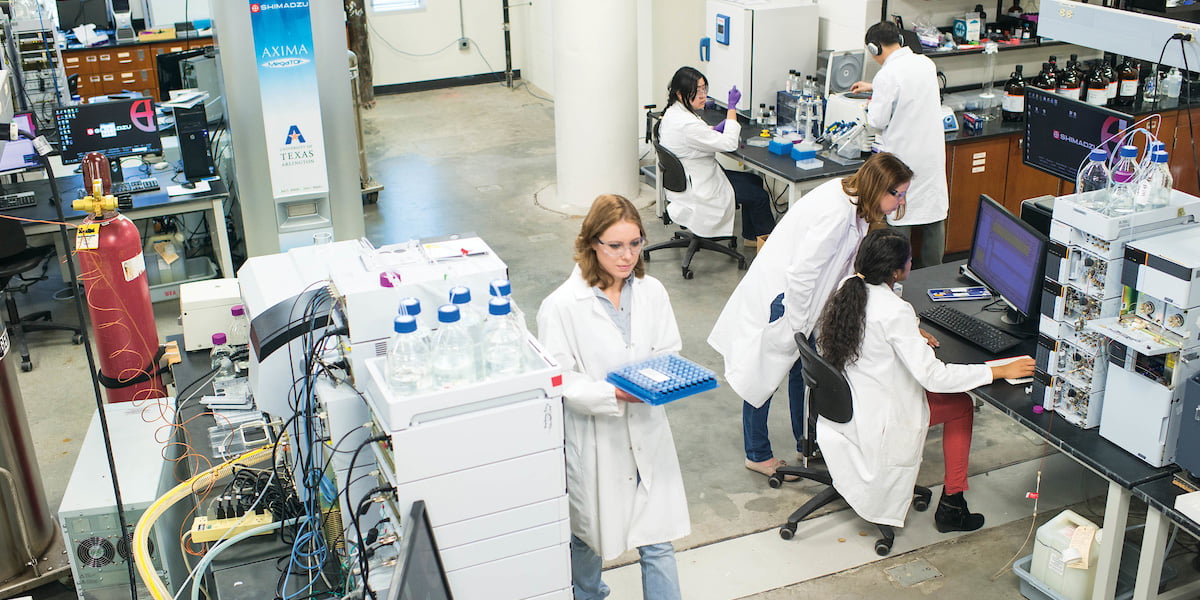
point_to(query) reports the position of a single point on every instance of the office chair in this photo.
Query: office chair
(829, 396)
(674, 178)
(16, 258)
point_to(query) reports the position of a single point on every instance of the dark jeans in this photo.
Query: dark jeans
(755, 202)
(754, 420)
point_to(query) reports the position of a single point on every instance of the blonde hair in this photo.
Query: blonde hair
(878, 176)
(607, 210)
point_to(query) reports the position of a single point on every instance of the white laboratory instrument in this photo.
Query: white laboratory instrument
(753, 45)
(850, 108)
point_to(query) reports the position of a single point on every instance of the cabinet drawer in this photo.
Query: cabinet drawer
(78, 65)
(132, 58)
(134, 79)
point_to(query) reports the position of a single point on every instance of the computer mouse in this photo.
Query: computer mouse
(188, 185)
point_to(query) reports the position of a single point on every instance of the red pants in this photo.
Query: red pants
(957, 413)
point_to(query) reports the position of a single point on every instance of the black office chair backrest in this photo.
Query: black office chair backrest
(673, 176)
(829, 392)
(12, 238)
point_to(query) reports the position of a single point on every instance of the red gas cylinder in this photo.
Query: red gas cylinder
(113, 272)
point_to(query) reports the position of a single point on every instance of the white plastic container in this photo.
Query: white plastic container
(1051, 569)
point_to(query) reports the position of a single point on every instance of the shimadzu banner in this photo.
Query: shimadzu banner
(287, 82)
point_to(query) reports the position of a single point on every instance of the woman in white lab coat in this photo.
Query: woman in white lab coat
(899, 390)
(811, 250)
(706, 206)
(623, 477)
(907, 110)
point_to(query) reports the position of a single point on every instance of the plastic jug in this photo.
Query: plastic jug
(1049, 566)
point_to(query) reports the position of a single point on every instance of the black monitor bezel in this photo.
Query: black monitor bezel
(164, 94)
(418, 518)
(78, 157)
(1031, 309)
(1025, 145)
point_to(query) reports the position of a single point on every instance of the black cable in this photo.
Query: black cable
(362, 561)
(364, 565)
(1188, 102)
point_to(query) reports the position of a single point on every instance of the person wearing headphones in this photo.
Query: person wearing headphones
(706, 206)
(899, 389)
(906, 109)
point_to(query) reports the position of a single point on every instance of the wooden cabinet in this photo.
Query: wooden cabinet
(1025, 182)
(116, 69)
(977, 167)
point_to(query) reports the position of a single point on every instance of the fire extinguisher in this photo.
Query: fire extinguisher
(113, 272)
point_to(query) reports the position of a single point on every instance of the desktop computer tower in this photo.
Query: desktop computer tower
(1187, 453)
(191, 128)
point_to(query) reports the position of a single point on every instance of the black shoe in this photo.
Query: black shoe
(953, 515)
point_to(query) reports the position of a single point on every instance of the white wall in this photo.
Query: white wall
(434, 30)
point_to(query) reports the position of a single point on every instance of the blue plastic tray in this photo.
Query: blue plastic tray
(663, 379)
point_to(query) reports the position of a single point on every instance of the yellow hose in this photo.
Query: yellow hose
(141, 533)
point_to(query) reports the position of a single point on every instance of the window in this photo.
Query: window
(393, 5)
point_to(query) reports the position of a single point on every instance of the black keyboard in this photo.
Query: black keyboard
(973, 330)
(17, 200)
(134, 185)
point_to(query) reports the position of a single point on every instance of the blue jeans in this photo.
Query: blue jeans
(660, 578)
(754, 420)
(755, 202)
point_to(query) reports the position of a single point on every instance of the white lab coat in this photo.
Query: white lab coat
(906, 108)
(611, 443)
(875, 457)
(706, 206)
(811, 249)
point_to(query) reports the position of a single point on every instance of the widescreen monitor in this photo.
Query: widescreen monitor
(1008, 256)
(419, 573)
(1060, 132)
(114, 129)
(19, 155)
(170, 75)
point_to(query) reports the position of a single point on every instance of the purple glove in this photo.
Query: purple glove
(734, 97)
(719, 127)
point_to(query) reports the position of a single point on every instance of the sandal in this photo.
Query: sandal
(767, 467)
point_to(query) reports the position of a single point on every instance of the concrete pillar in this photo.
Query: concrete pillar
(595, 100)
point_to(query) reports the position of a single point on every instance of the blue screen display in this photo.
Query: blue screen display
(1008, 256)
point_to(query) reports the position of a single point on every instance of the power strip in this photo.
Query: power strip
(205, 529)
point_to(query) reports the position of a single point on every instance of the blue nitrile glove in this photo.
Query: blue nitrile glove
(719, 127)
(734, 97)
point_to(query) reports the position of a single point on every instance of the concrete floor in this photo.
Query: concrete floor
(473, 159)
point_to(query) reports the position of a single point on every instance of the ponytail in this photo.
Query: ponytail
(843, 321)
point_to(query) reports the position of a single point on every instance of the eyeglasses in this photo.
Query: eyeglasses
(898, 194)
(618, 249)
(702, 88)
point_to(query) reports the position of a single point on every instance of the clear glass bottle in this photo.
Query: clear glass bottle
(453, 351)
(408, 357)
(1154, 189)
(1123, 182)
(221, 357)
(1173, 83)
(472, 318)
(1012, 107)
(239, 326)
(503, 341)
(412, 307)
(1094, 177)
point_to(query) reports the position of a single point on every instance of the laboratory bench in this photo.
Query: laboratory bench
(131, 67)
(1125, 473)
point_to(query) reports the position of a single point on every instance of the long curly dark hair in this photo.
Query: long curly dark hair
(843, 321)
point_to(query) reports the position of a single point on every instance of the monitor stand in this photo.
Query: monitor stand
(1016, 324)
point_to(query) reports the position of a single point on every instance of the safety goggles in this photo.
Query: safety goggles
(619, 249)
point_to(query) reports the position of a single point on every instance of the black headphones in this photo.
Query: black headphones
(875, 50)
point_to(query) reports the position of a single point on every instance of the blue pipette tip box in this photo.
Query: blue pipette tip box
(663, 379)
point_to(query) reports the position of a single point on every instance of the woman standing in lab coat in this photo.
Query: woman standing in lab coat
(899, 390)
(811, 250)
(706, 206)
(623, 477)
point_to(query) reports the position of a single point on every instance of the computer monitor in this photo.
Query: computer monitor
(114, 129)
(419, 574)
(19, 155)
(1060, 132)
(170, 77)
(1008, 256)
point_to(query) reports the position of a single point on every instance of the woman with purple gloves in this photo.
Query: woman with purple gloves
(706, 206)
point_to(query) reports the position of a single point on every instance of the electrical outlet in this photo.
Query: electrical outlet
(464, 43)
(205, 529)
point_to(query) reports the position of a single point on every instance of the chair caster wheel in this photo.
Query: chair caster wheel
(883, 547)
(787, 532)
(920, 504)
(645, 256)
(742, 264)
(26, 365)
(775, 481)
(77, 339)
(688, 274)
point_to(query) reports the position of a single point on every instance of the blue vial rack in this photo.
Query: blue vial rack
(663, 379)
